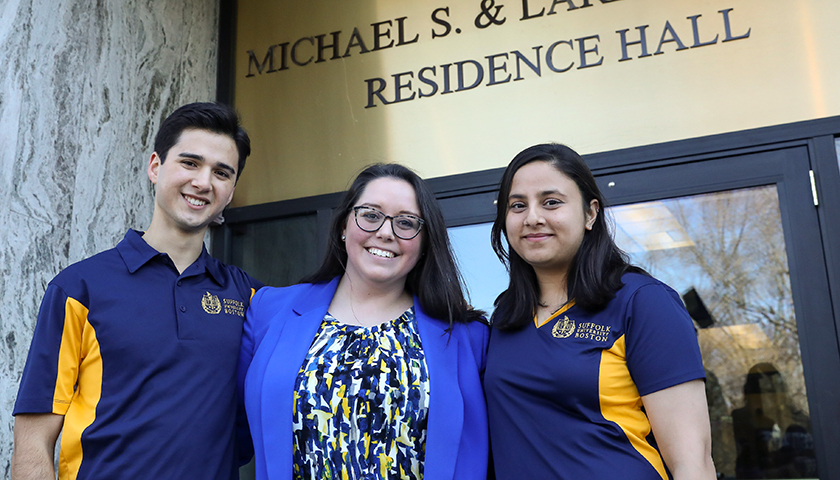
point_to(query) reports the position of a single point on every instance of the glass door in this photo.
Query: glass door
(725, 253)
(738, 238)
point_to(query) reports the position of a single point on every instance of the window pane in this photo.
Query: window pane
(277, 252)
(484, 275)
(725, 253)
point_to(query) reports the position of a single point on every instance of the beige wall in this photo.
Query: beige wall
(312, 131)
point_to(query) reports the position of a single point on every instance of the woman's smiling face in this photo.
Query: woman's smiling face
(546, 218)
(380, 257)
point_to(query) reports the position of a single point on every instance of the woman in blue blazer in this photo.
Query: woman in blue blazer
(371, 368)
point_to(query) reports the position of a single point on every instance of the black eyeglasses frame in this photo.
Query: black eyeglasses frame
(386, 218)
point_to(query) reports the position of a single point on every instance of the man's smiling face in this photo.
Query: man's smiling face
(196, 181)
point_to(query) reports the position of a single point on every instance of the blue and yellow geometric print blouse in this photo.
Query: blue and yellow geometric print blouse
(361, 403)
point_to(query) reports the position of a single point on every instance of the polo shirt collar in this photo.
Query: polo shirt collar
(136, 252)
(211, 265)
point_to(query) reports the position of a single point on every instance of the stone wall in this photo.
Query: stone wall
(83, 88)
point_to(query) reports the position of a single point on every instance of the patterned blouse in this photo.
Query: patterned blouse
(361, 403)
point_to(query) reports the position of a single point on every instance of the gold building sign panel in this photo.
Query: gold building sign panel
(328, 86)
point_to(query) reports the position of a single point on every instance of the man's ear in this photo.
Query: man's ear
(154, 167)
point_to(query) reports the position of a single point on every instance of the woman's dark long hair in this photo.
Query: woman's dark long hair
(595, 272)
(435, 279)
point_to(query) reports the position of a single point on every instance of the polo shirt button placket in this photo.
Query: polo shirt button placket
(182, 308)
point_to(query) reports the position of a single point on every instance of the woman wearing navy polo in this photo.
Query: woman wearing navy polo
(590, 358)
(372, 368)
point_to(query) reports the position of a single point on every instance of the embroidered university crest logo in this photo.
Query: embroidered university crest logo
(563, 328)
(211, 303)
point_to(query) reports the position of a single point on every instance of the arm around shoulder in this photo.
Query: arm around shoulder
(34, 451)
(679, 418)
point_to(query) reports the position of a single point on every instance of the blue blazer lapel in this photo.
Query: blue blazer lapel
(286, 344)
(446, 404)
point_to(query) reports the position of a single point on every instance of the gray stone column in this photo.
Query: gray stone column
(83, 88)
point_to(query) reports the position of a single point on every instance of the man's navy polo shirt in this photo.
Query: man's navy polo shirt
(141, 361)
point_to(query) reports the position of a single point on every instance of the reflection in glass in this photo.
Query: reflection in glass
(728, 248)
(277, 252)
(837, 149)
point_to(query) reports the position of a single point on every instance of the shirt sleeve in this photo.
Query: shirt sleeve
(255, 284)
(52, 366)
(662, 348)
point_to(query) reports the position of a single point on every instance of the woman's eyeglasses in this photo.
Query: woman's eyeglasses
(370, 219)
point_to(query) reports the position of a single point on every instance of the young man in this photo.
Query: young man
(134, 354)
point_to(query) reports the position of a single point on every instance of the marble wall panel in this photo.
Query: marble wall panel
(83, 88)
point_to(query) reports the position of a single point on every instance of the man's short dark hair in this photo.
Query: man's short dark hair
(212, 117)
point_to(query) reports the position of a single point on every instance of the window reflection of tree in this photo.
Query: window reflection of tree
(738, 264)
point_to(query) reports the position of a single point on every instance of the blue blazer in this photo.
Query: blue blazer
(279, 328)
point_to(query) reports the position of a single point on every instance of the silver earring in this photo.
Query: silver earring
(343, 238)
